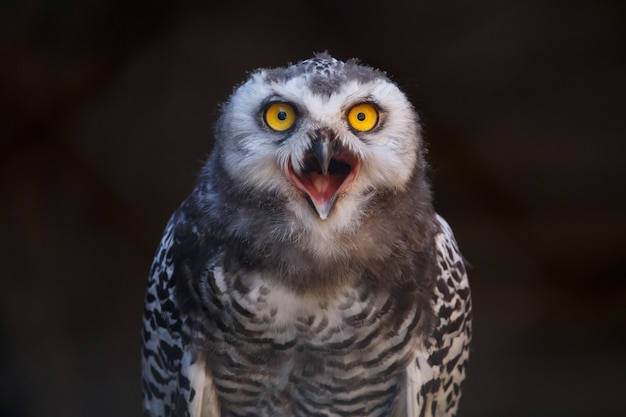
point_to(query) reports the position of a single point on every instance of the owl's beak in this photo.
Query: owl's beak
(328, 168)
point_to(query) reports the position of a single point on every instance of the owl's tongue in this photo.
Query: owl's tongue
(323, 189)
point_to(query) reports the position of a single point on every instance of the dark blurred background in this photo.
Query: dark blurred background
(106, 113)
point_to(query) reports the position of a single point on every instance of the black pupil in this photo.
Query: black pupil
(360, 116)
(282, 115)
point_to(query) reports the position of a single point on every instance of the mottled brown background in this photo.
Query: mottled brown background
(106, 111)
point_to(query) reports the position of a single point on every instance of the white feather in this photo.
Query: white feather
(205, 402)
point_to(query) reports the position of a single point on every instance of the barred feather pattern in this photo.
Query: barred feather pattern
(225, 341)
(444, 360)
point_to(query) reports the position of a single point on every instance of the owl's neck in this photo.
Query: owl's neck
(266, 232)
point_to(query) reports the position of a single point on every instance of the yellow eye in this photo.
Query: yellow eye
(280, 116)
(363, 117)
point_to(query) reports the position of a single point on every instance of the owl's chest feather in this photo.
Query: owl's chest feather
(275, 346)
(256, 307)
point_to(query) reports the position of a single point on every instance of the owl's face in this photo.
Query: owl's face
(324, 134)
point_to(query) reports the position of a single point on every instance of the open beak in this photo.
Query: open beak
(327, 170)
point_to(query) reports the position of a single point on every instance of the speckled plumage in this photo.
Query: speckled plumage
(269, 296)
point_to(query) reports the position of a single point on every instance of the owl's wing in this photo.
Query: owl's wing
(434, 379)
(174, 380)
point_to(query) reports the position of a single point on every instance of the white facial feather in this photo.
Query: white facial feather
(256, 157)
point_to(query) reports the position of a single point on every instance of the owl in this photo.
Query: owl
(307, 274)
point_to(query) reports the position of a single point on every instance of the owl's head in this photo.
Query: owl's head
(323, 134)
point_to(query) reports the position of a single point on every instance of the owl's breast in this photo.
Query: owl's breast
(274, 350)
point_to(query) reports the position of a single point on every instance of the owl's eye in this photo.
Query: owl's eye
(280, 116)
(363, 117)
